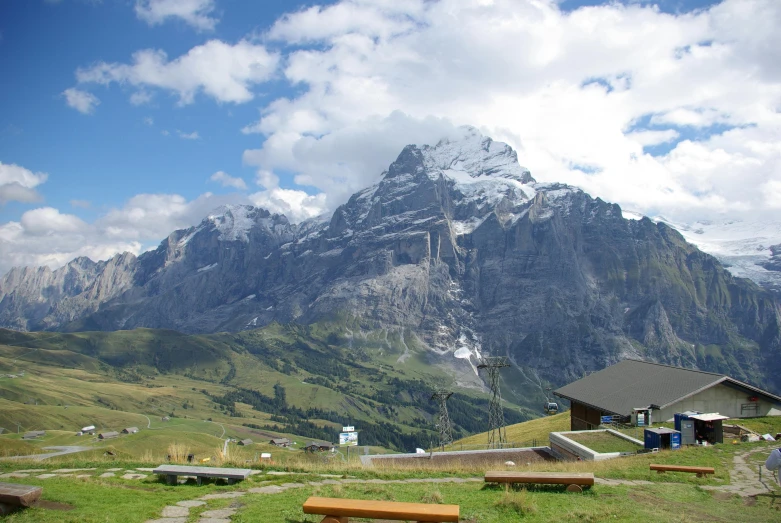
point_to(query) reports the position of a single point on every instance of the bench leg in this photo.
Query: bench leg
(660, 471)
(231, 481)
(170, 479)
(574, 488)
(700, 475)
(334, 519)
(199, 480)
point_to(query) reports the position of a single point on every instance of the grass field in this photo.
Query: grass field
(669, 497)
(603, 442)
(526, 432)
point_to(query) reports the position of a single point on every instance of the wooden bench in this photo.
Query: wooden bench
(14, 496)
(172, 471)
(700, 471)
(575, 481)
(338, 510)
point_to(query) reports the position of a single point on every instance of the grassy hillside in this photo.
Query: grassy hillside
(303, 380)
(526, 432)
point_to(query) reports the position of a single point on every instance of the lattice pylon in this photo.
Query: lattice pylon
(443, 419)
(497, 435)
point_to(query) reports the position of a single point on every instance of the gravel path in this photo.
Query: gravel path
(59, 451)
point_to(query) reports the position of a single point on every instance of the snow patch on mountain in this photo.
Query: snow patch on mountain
(742, 245)
(233, 221)
(476, 155)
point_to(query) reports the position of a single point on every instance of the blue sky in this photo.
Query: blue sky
(112, 154)
(122, 120)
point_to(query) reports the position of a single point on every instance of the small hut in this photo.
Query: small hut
(280, 442)
(130, 430)
(34, 434)
(314, 446)
(245, 442)
(108, 435)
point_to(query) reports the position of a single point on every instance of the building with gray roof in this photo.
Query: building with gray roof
(634, 388)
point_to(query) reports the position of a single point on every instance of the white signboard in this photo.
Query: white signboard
(348, 438)
(348, 429)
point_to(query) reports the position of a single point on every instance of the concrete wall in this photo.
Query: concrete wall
(562, 444)
(723, 399)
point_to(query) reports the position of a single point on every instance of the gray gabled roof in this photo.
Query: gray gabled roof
(632, 384)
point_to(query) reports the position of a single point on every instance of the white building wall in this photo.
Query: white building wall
(720, 398)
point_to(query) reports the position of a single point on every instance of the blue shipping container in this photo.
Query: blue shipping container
(662, 439)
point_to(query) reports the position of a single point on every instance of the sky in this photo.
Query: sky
(123, 120)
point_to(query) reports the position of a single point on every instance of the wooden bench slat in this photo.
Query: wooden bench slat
(682, 468)
(552, 478)
(359, 508)
(19, 495)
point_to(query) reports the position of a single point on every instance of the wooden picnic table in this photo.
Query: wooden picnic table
(171, 472)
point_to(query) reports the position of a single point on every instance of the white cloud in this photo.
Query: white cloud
(646, 138)
(227, 180)
(165, 133)
(18, 184)
(149, 121)
(82, 101)
(220, 70)
(188, 136)
(267, 179)
(296, 205)
(140, 97)
(46, 236)
(590, 87)
(49, 221)
(193, 12)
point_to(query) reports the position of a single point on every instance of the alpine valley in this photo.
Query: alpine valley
(456, 253)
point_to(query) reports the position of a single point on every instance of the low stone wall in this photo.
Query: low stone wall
(464, 457)
(568, 447)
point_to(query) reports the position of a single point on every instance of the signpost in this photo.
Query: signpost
(348, 439)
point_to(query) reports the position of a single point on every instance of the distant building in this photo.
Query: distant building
(108, 435)
(130, 430)
(314, 446)
(280, 442)
(88, 428)
(641, 392)
(245, 442)
(165, 418)
(34, 434)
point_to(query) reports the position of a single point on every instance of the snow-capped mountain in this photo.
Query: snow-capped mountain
(457, 247)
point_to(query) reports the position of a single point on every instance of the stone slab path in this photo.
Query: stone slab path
(744, 479)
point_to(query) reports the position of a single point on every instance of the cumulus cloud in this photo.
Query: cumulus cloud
(578, 93)
(227, 180)
(193, 12)
(296, 205)
(140, 98)
(82, 101)
(188, 136)
(46, 236)
(18, 184)
(223, 71)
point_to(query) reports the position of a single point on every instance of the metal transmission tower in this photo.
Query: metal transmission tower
(496, 432)
(443, 422)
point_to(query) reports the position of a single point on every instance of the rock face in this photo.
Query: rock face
(459, 245)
